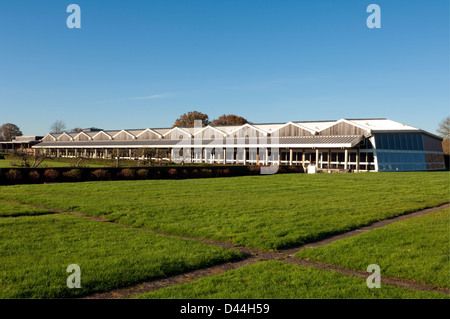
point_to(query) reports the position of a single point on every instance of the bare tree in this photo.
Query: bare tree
(8, 131)
(444, 128)
(27, 160)
(58, 127)
(444, 131)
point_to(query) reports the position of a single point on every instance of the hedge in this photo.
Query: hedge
(12, 176)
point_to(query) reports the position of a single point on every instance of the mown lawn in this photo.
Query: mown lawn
(36, 250)
(280, 280)
(6, 163)
(266, 212)
(417, 249)
(11, 210)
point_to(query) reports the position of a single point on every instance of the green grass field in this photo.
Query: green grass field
(13, 210)
(279, 280)
(36, 250)
(266, 212)
(417, 249)
(6, 163)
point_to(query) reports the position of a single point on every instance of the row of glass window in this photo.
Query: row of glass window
(396, 161)
(407, 142)
(402, 167)
(390, 157)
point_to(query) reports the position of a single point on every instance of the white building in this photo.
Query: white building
(356, 144)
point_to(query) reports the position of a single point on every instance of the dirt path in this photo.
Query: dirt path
(253, 256)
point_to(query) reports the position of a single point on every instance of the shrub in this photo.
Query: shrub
(295, 169)
(142, 173)
(195, 173)
(281, 170)
(223, 172)
(34, 176)
(51, 174)
(184, 173)
(254, 169)
(73, 174)
(205, 172)
(101, 174)
(172, 172)
(14, 175)
(126, 173)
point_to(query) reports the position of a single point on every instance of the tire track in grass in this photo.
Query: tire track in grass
(252, 255)
(382, 223)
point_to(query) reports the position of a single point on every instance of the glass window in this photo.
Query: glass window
(380, 156)
(397, 142)
(415, 142)
(419, 142)
(379, 141)
(387, 157)
(362, 157)
(403, 142)
(391, 142)
(409, 142)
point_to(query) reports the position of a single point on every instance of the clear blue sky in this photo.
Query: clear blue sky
(138, 64)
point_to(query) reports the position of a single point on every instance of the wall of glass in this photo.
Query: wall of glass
(396, 161)
(406, 142)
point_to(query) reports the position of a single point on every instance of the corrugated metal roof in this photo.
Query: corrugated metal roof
(310, 141)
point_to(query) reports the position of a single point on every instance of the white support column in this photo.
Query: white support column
(224, 155)
(317, 158)
(321, 160)
(266, 160)
(95, 153)
(290, 156)
(57, 152)
(357, 160)
(346, 159)
(245, 156)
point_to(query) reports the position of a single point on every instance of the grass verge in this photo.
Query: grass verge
(12, 210)
(36, 251)
(266, 212)
(280, 280)
(416, 249)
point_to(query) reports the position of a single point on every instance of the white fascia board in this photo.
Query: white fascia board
(180, 129)
(90, 138)
(250, 126)
(124, 131)
(149, 130)
(313, 132)
(49, 134)
(306, 146)
(350, 123)
(102, 132)
(64, 133)
(211, 127)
